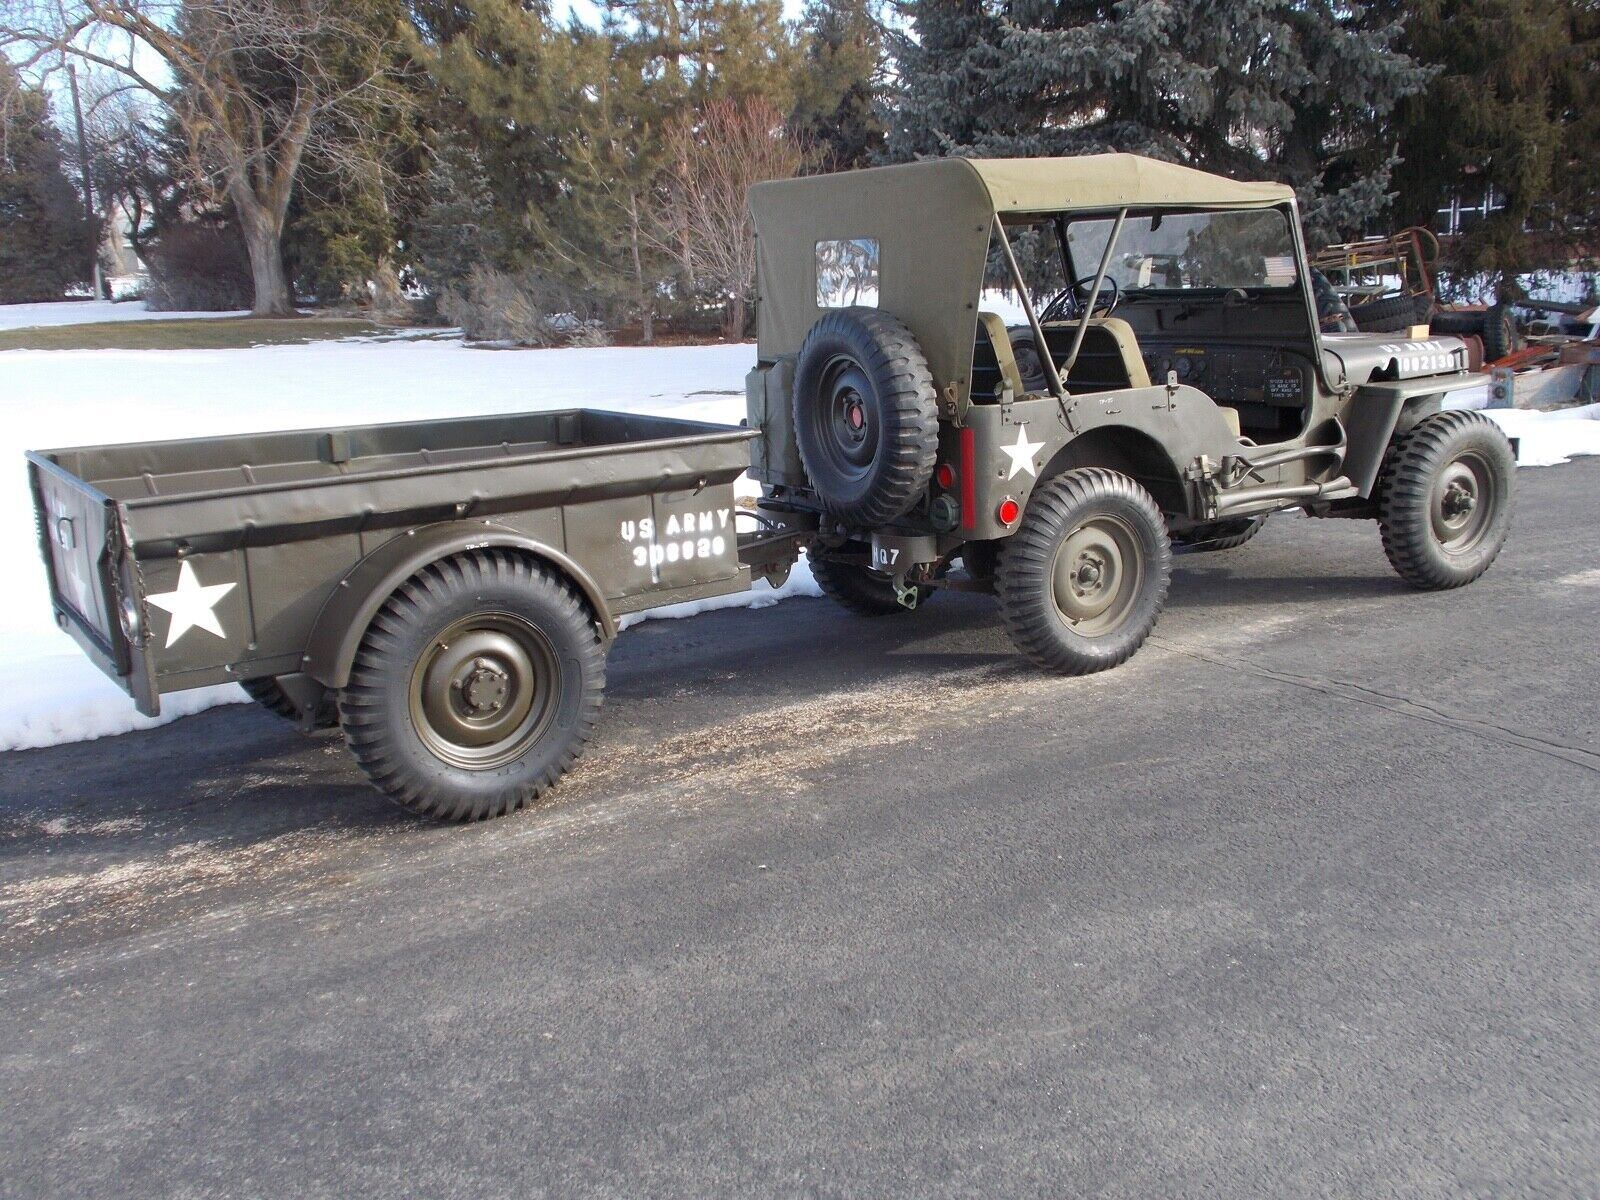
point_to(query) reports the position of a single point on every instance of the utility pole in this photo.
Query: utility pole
(83, 161)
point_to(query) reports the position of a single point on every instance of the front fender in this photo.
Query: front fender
(343, 621)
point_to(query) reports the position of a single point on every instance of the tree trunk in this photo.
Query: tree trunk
(734, 329)
(265, 247)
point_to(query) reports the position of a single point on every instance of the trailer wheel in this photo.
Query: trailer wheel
(1084, 578)
(1444, 502)
(866, 418)
(269, 693)
(476, 686)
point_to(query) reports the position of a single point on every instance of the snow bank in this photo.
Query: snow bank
(49, 693)
(87, 312)
(1543, 439)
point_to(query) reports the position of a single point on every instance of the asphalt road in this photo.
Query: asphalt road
(1302, 901)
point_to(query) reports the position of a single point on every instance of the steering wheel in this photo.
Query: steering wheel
(1072, 300)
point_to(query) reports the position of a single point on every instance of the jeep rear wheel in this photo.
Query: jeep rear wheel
(476, 686)
(1084, 578)
(1444, 505)
(860, 589)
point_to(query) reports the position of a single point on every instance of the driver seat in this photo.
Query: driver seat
(1109, 359)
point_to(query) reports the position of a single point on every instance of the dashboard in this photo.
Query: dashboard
(1237, 375)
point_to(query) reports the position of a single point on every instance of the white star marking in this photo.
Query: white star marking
(1022, 453)
(191, 604)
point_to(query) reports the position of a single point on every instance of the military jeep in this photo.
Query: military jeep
(1167, 387)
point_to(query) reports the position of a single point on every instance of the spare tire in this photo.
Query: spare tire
(1390, 314)
(866, 416)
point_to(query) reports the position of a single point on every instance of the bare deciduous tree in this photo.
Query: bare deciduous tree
(701, 213)
(253, 84)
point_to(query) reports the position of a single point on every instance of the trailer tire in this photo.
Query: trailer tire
(269, 693)
(1444, 500)
(866, 417)
(1085, 576)
(475, 687)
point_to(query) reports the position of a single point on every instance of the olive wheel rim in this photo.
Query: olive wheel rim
(1096, 575)
(485, 689)
(1462, 504)
(846, 425)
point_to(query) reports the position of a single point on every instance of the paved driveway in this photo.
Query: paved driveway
(1302, 901)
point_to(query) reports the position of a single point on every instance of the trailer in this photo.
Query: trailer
(444, 590)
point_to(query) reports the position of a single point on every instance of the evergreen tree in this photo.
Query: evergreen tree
(501, 84)
(455, 231)
(1293, 90)
(600, 232)
(1513, 108)
(351, 205)
(46, 243)
(836, 109)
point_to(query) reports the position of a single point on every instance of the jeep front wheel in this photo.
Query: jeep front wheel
(1445, 500)
(1083, 580)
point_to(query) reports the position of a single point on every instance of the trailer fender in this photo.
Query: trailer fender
(343, 621)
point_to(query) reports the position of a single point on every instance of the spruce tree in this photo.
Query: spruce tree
(836, 109)
(1293, 90)
(46, 243)
(1512, 108)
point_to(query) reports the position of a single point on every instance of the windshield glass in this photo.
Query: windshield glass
(1180, 251)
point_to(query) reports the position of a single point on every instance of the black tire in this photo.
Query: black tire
(476, 686)
(1390, 314)
(1092, 612)
(860, 589)
(1218, 535)
(1457, 322)
(982, 560)
(269, 693)
(1499, 333)
(866, 416)
(1444, 505)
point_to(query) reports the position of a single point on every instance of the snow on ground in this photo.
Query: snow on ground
(49, 693)
(87, 312)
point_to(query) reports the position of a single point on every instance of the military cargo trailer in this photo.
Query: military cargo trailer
(450, 586)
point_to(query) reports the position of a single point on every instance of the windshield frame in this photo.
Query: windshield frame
(1062, 221)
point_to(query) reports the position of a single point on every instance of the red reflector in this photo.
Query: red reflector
(945, 476)
(1008, 511)
(969, 479)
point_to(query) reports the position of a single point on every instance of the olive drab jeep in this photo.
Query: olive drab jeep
(1167, 387)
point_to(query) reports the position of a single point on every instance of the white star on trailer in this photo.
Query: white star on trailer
(1021, 453)
(192, 604)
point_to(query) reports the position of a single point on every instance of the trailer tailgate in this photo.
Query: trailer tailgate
(81, 540)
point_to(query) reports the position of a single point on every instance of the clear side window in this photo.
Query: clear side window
(847, 273)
